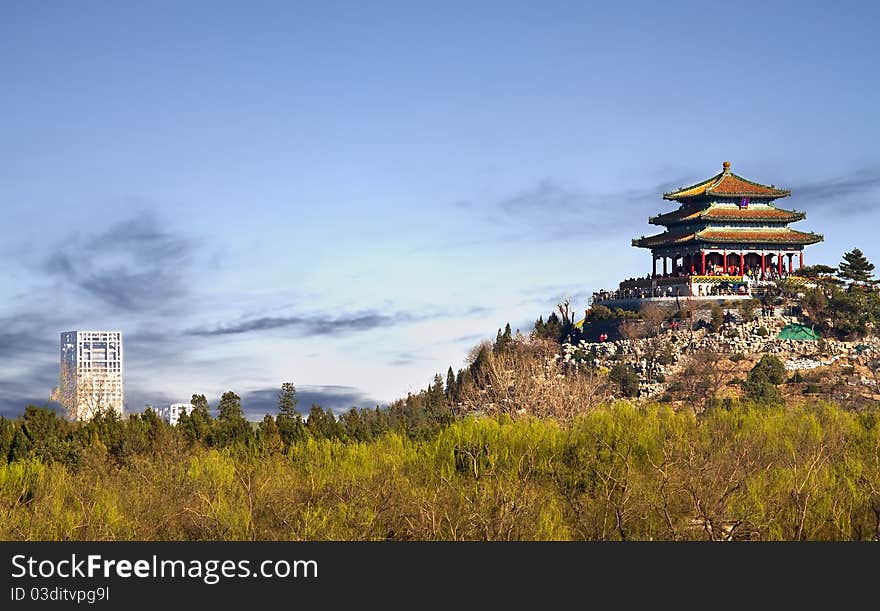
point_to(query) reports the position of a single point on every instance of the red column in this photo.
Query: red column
(763, 264)
(742, 264)
(691, 261)
(724, 264)
(779, 263)
(790, 263)
(802, 260)
(703, 263)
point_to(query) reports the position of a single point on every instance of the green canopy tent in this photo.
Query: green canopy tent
(798, 332)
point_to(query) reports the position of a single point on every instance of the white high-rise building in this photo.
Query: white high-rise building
(172, 413)
(91, 373)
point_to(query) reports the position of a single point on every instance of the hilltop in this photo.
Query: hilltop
(819, 331)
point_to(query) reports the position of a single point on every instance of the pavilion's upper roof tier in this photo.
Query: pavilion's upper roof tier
(727, 184)
(689, 214)
(718, 235)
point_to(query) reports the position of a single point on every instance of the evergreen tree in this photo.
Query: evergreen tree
(479, 363)
(816, 271)
(229, 408)
(287, 400)
(231, 425)
(7, 432)
(269, 434)
(20, 446)
(762, 381)
(451, 392)
(292, 429)
(625, 378)
(356, 426)
(436, 402)
(196, 426)
(322, 424)
(503, 341)
(200, 405)
(553, 327)
(856, 269)
(539, 327)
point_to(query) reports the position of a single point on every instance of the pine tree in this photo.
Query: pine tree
(322, 424)
(7, 432)
(504, 340)
(450, 385)
(856, 269)
(292, 429)
(287, 400)
(553, 327)
(539, 327)
(200, 404)
(762, 381)
(20, 446)
(197, 425)
(269, 435)
(231, 426)
(229, 408)
(463, 380)
(436, 399)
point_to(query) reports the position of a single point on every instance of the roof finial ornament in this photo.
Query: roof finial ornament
(726, 166)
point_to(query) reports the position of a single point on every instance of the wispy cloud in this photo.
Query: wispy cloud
(468, 339)
(134, 266)
(403, 359)
(864, 184)
(29, 387)
(549, 210)
(312, 325)
(29, 352)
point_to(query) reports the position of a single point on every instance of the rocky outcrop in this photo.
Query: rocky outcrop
(745, 339)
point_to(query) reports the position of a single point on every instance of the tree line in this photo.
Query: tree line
(40, 433)
(620, 472)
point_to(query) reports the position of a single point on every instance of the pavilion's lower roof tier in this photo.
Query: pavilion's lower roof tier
(687, 214)
(715, 235)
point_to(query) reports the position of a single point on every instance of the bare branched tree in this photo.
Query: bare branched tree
(702, 379)
(83, 395)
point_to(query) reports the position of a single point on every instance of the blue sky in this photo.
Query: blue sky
(349, 195)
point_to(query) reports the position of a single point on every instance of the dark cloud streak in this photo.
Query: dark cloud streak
(312, 325)
(134, 266)
(550, 211)
(828, 193)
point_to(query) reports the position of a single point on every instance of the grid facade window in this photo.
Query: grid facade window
(91, 373)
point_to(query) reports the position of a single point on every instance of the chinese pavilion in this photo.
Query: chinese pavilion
(727, 225)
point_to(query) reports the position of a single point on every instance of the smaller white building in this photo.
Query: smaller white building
(171, 414)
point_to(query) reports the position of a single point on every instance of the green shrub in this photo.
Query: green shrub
(762, 381)
(625, 378)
